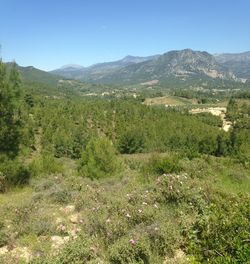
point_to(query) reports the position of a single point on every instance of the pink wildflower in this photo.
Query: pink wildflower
(132, 242)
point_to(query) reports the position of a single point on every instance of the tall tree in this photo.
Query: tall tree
(9, 123)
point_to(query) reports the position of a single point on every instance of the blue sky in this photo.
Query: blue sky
(50, 33)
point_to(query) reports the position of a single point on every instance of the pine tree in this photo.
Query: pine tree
(14, 80)
(9, 124)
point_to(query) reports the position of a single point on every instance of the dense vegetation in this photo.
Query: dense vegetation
(112, 180)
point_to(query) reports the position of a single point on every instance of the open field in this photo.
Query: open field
(168, 101)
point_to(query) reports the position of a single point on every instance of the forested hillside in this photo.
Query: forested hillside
(114, 179)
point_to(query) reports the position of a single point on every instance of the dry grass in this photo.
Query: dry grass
(168, 100)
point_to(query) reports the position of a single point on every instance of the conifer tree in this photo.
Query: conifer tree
(9, 123)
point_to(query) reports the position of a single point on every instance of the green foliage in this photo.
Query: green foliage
(221, 233)
(13, 173)
(80, 251)
(45, 164)
(176, 189)
(10, 120)
(68, 125)
(131, 142)
(232, 110)
(160, 165)
(3, 235)
(210, 119)
(130, 251)
(99, 160)
(29, 100)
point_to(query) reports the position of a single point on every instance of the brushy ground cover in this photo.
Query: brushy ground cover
(160, 208)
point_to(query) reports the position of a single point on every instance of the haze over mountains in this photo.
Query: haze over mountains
(181, 66)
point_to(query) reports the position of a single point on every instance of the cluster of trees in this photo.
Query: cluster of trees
(238, 111)
(9, 110)
(15, 129)
(68, 125)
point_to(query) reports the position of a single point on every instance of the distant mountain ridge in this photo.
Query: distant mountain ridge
(32, 74)
(178, 68)
(239, 63)
(92, 72)
(179, 65)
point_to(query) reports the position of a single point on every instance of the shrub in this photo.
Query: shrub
(128, 250)
(160, 165)
(80, 251)
(2, 182)
(99, 160)
(179, 189)
(222, 233)
(45, 164)
(13, 173)
(3, 236)
(41, 224)
(131, 142)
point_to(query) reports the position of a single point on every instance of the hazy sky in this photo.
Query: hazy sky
(50, 33)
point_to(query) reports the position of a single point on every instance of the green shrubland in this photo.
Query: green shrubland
(116, 181)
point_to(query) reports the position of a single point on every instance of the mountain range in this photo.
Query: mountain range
(177, 66)
(180, 68)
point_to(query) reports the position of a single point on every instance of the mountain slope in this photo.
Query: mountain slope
(239, 63)
(93, 72)
(179, 65)
(31, 74)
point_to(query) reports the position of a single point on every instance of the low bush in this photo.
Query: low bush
(13, 173)
(45, 164)
(130, 250)
(131, 142)
(160, 165)
(3, 236)
(81, 251)
(222, 233)
(99, 160)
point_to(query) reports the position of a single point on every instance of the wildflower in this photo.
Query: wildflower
(61, 228)
(132, 242)
(181, 182)
(140, 211)
(171, 187)
(128, 215)
(144, 203)
(108, 220)
(155, 206)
